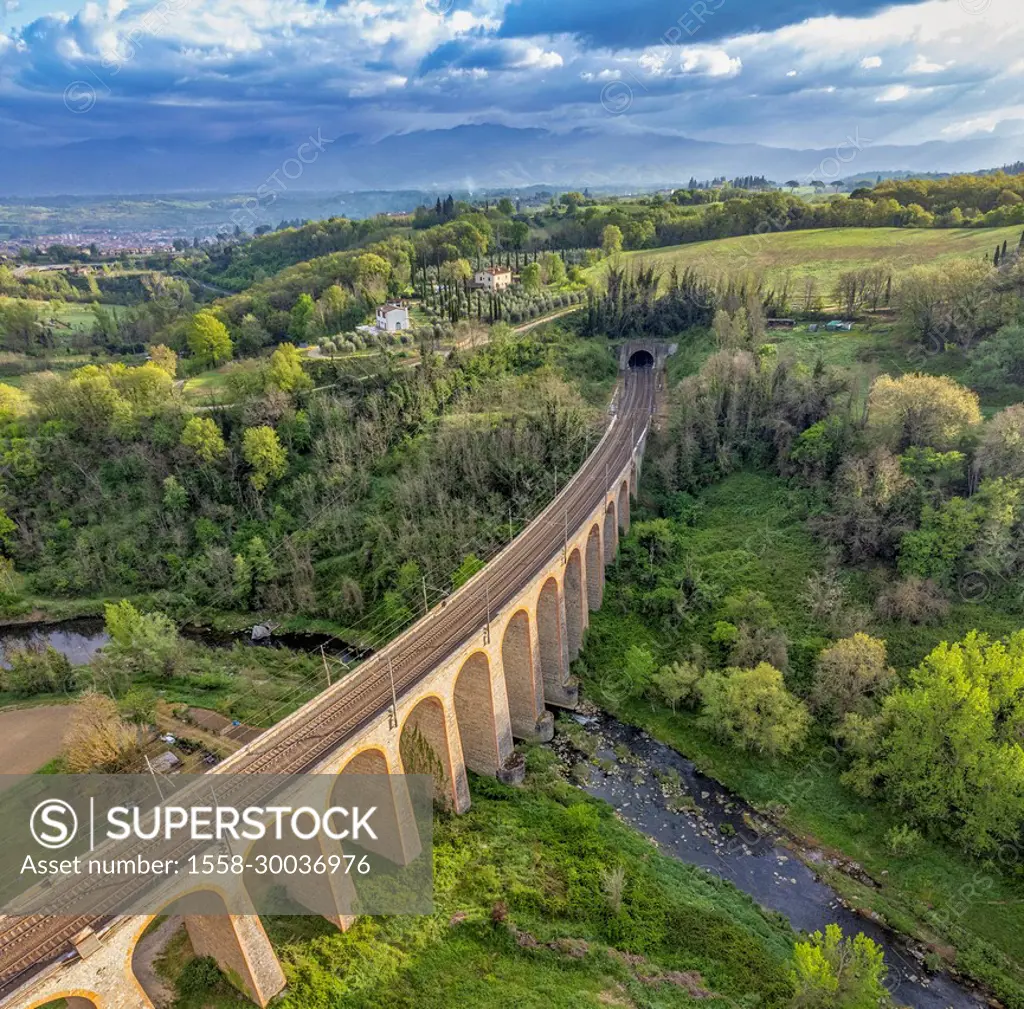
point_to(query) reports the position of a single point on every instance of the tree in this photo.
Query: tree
(36, 669)
(208, 339)
(13, 402)
(831, 972)
(998, 362)
(505, 207)
(849, 675)
(470, 565)
(332, 308)
(611, 239)
(529, 277)
(751, 708)
(142, 642)
(97, 739)
(285, 370)
(203, 437)
(252, 335)
(676, 684)
(946, 748)
(263, 451)
(930, 410)
(552, 268)
(164, 358)
(21, 326)
(1001, 451)
(301, 318)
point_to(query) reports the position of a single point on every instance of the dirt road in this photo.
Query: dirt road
(29, 737)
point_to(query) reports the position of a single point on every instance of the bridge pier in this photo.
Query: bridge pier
(521, 666)
(242, 950)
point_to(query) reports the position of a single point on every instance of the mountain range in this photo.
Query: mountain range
(465, 158)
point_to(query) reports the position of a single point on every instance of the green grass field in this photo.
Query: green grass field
(822, 254)
(208, 388)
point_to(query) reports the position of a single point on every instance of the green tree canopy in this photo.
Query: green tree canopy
(208, 338)
(263, 451)
(752, 708)
(203, 437)
(947, 747)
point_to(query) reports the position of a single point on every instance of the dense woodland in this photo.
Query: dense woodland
(832, 557)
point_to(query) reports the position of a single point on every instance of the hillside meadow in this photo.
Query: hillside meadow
(823, 254)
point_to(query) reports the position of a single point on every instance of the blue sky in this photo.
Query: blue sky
(781, 73)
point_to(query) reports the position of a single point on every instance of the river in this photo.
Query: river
(81, 638)
(648, 790)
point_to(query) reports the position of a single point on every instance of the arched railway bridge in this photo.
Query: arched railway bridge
(470, 677)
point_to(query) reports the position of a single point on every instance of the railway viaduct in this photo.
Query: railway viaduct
(470, 678)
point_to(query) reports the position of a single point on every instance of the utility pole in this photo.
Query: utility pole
(393, 713)
(565, 541)
(426, 605)
(511, 530)
(156, 781)
(327, 668)
(487, 627)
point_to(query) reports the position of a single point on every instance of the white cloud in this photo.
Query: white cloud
(871, 62)
(710, 62)
(791, 73)
(539, 58)
(894, 93)
(923, 66)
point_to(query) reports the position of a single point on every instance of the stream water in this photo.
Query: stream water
(649, 789)
(81, 638)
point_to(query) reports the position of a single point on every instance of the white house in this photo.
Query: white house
(494, 278)
(392, 317)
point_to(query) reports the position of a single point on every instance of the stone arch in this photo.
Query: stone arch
(372, 760)
(575, 602)
(641, 360)
(551, 634)
(73, 1000)
(237, 942)
(623, 508)
(523, 683)
(611, 534)
(475, 715)
(424, 747)
(595, 568)
(399, 840)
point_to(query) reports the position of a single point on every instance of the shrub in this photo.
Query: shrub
(198, 977)
(902, 840)
(912, 600)
(97, 739)
(37, 670)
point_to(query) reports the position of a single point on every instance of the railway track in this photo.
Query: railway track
(302, 740)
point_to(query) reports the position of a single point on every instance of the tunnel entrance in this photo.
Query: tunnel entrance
(641, 359)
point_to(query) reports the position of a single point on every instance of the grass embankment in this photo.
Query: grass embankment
(823, 254)
(539, 892)
(749, 532)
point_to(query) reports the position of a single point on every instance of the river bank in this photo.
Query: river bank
(694, 818)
